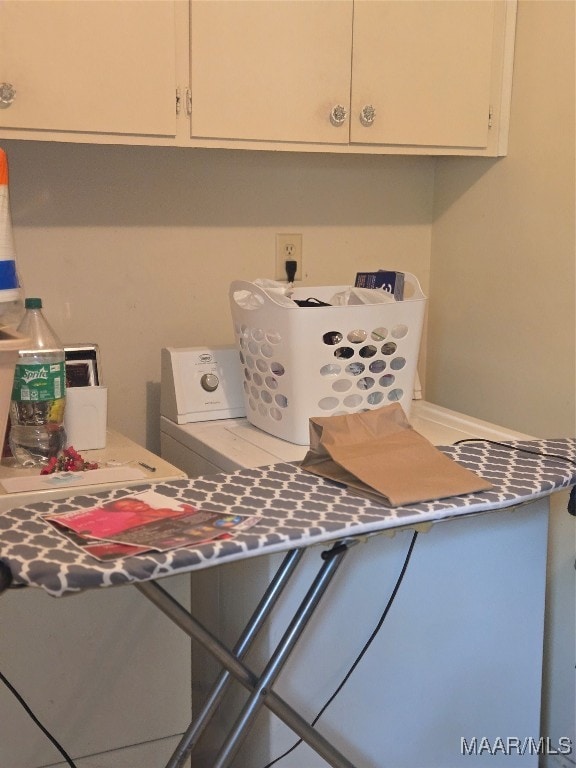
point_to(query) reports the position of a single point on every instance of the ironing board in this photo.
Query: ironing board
(296, 510)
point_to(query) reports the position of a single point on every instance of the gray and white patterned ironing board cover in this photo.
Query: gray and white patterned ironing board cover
(296, 509)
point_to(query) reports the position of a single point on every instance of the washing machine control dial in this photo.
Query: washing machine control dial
(209, 382)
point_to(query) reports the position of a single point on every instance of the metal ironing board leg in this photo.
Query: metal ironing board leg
(331, 561)
(257, 620)
(180, 616)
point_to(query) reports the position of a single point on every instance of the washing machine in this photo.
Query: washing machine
(203, 427)
(466, 622)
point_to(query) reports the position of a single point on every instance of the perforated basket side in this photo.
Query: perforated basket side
(300, 362)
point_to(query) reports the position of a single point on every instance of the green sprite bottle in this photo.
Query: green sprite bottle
(39, 392)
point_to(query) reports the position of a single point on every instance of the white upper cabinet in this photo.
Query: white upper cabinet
(395, 75)
(421, 72)
(377, 76)
(88, 66)
(270, 71)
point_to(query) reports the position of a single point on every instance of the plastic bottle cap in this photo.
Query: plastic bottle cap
(33, 304)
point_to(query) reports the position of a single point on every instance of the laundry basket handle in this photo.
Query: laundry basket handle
(250, 296)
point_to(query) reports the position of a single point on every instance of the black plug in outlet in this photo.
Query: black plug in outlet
(288, 249)
(291, 267)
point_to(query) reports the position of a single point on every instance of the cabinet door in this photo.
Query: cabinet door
(425, 66)
(270, 70)
(89, 65)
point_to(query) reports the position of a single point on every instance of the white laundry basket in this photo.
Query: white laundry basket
(299, 362)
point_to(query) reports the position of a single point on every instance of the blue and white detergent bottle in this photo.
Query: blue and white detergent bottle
(11, 294)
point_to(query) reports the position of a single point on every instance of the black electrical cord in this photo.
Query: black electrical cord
(520, 449)
(44, 730)
(360, 656)
(571, 509)
(515, 448)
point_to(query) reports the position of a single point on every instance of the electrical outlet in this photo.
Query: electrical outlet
(288, 248)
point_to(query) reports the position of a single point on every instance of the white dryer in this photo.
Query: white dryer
(466, 623)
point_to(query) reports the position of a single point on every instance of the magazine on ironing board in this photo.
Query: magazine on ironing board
(143, 522)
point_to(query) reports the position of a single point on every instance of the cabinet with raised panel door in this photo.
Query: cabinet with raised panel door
(358, 75)
(69, 67)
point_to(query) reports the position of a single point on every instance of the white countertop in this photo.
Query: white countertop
(119, 465)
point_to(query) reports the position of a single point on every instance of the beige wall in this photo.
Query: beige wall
(134, 247)
(502, 315)
(502, 324)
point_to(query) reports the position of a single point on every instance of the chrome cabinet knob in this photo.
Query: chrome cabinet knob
(7, 95)
(338, 115)
(367, 115)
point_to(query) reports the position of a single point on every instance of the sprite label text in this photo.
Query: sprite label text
(39, 382)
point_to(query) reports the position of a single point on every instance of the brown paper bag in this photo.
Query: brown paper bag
(378, 453)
